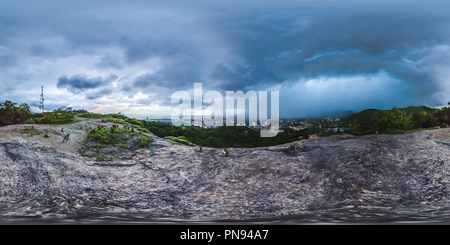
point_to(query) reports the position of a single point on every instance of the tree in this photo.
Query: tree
(64, 109)
(10, 113)
(391, 120)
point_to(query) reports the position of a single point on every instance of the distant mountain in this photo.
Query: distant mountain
(362, 116)
(334, 114)
(368, 114)
(339, 113)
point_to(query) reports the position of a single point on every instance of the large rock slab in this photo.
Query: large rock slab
(336, 178)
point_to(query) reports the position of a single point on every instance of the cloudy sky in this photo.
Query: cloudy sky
(131, 56)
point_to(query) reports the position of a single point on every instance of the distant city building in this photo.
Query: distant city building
(158, 120)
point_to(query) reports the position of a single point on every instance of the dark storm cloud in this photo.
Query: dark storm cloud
(333, 45)
(7, 58)
(81, 83)
(98, 94)
(107, 62)
(143, 81)
(180, 74)
(372, 42)
(162, 47)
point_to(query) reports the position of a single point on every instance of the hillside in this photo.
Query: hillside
(341, 178)
(362, 116)
(84, 138)
(368, 114)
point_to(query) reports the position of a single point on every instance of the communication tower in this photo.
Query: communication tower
(41, 103)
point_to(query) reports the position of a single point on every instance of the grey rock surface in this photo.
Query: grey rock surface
(336, 178)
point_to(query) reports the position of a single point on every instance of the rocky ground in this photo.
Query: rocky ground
(340, 178)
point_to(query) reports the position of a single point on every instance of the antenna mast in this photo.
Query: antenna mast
(41, 103)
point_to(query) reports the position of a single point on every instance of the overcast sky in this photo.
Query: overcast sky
(130, 56)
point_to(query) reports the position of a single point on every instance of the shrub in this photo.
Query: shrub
(91, 115)
(103, 136)
(135, 122)
(115, 120)
(54, 118)
(391, 121)
(11, 114)
(143, 130)
(144, 141)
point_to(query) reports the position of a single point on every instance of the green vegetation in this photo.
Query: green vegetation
(397, 120)
(92, 115)
(370, 121)
(54, 118)
(325, 133)
(31, 131)
(115, 120)
(83, 152)
(105, 136)
(180, 139)
(224, 136)
(11, 114)
(100, 158)
(138, 125)
(62, 115)
(363, 116)
(144, 141)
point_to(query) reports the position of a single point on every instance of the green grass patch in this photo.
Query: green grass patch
(92, 115)
(105, 136)
(55, 118)
(136, 124)
(100, 158)
(144, 141)
(180, 139)
(31, 131)
(142, 130)
(115, 120)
